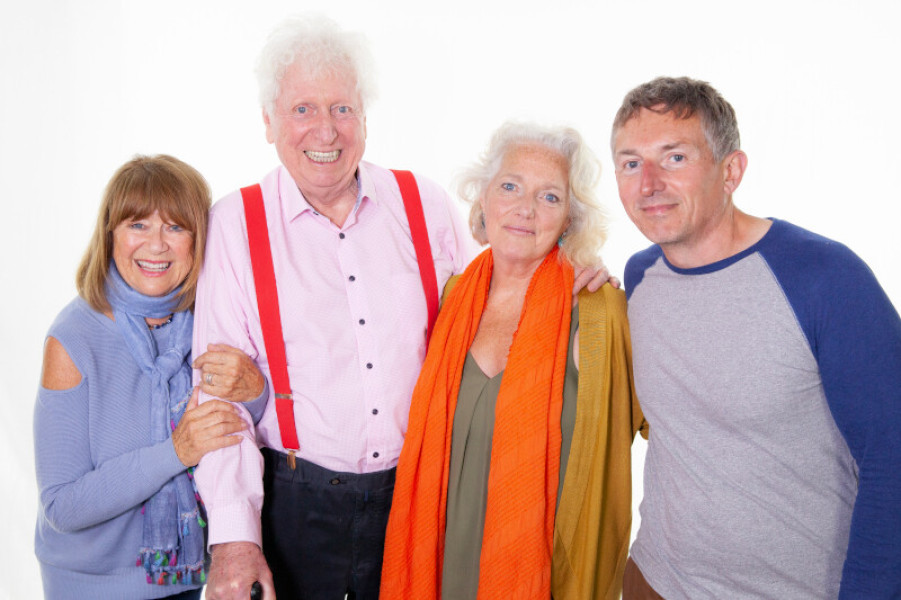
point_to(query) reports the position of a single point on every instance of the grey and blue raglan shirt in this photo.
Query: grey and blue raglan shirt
(772, 384)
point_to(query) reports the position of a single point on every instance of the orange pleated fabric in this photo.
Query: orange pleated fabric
(517, 543)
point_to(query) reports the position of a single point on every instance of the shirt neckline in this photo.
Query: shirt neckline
(729, 260)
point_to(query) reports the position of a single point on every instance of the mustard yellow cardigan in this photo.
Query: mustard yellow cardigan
(594, 517)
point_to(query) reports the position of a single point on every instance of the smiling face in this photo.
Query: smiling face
(154, 257)
(526, 205)
(319, 130)
(669, 183)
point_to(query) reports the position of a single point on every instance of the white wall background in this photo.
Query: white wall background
(85, 85)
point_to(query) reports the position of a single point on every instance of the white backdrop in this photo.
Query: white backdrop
(85, 85)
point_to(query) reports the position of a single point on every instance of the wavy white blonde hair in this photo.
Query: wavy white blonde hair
(588, 222)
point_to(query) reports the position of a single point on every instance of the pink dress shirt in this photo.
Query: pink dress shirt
(353, 318)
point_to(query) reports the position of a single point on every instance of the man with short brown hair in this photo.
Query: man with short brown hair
(768, 364)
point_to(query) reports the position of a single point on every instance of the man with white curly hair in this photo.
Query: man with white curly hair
(352, 317)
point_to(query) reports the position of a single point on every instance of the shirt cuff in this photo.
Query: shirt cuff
(234, 522)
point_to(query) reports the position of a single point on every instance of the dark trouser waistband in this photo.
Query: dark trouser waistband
(306, 472)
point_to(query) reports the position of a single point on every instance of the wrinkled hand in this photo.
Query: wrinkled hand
(236, 565)
(228, 373)
(205, 428)
(593, 278)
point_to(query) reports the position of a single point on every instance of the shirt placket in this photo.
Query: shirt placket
(359, 293)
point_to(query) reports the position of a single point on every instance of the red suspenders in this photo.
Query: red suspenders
(409, 191)
(267, 292)
(270, 317)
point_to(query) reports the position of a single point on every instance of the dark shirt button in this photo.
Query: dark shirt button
(375, 455)
(375, 411)
(341, 235)
(352, 278)
(368, 365)
(335, 481)
(362, 321)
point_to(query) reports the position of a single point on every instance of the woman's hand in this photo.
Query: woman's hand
(205, 428)
(229, 374)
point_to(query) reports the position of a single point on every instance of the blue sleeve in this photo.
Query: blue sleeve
(74, 492)
(637, 265)
(855, 335)
(257, 406)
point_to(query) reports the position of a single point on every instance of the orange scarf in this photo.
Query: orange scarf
(517, 542)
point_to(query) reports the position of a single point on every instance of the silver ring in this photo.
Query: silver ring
(209, 378)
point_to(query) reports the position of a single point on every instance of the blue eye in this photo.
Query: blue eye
(136, 225)
(301, 110)
(632, 164)
(176, 228)
(508, 186)
(678, 157)
(551, 198)
(343, 112)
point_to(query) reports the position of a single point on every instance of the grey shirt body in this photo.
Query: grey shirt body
(749, 486)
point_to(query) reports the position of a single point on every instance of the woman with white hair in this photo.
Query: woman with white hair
(514, 479)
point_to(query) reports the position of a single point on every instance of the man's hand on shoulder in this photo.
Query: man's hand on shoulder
(593, 278)
(236, 565)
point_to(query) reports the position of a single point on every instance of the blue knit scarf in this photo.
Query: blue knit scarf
(173, 546)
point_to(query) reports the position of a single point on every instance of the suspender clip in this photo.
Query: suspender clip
(291, 461)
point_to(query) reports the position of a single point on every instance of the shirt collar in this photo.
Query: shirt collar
(367, 185)
(295, 204)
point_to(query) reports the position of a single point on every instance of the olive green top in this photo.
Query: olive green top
(594, 513)
(467, 493)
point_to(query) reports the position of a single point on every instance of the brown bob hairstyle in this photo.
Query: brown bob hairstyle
(140, 187)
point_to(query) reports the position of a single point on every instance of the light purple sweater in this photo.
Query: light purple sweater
(96, 466)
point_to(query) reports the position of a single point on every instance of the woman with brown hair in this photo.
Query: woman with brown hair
(117, 428)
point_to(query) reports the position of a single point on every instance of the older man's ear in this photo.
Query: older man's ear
(270, 136)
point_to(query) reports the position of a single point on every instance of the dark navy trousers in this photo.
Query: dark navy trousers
(324, 531)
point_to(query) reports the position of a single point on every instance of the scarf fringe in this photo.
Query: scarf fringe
(162, 564)
(162, 568)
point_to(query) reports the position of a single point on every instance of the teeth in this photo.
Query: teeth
(153, 266)
(323, 157)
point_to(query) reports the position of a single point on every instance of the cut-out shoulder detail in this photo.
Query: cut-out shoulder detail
(59, 373)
